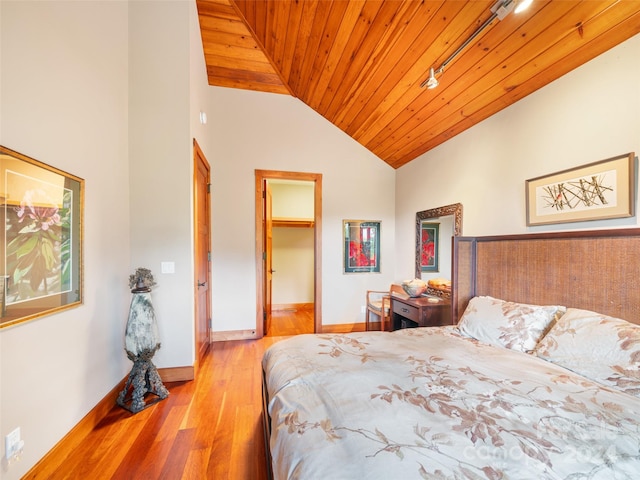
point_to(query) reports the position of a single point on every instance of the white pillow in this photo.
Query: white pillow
(517, 326)
(596, 346)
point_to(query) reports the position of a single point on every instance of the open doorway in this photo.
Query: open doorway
(290, 257)
(289, 225)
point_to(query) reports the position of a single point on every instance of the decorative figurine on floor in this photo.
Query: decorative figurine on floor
(141, 343)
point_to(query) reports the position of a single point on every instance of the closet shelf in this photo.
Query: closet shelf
(293, 222)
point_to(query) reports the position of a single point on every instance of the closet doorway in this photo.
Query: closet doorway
(288, 230)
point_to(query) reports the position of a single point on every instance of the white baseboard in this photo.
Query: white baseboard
(233, 335)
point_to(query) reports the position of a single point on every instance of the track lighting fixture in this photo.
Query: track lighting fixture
(432, 81)
(499, 10)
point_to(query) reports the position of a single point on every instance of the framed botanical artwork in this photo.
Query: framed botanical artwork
(41, 258)
(429, 246)
(596, 191)
(361, 241)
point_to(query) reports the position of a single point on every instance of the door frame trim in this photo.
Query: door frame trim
(198, 155)
(261, 176)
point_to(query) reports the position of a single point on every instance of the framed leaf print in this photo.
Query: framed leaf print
(596, 191)
(41, 260)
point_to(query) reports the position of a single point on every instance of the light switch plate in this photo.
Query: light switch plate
(12, 444)
(168, 267)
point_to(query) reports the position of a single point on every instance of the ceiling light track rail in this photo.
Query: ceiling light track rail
(499, 10)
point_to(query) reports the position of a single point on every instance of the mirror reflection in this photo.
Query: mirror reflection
(434, 231)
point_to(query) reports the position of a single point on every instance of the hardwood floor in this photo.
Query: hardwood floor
(294, 321)
(209, 428)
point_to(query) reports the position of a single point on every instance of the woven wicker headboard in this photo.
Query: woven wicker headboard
(594, 270)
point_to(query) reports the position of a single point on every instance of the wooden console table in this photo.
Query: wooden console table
(408, 312)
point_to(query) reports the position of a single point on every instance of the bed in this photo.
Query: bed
(537, 377)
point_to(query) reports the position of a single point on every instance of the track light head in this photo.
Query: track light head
(432, 81)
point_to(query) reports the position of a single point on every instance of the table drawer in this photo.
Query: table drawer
(406, 311)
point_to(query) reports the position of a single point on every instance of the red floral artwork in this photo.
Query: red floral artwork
(428, 255)
(361, 247)
(358, 255)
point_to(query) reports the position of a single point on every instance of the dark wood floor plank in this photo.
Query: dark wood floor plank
(177, 462)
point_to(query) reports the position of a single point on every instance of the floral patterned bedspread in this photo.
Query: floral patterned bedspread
(430, 403)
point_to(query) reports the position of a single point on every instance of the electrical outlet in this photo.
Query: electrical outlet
(13, 445)
(362, 309)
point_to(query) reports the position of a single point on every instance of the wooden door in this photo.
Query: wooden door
(268, 267)
(202, 252)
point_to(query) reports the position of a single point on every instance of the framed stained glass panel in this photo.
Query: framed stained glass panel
(429, 246)
(361, 241)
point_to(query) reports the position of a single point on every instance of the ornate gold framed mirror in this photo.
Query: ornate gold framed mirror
(434, 231)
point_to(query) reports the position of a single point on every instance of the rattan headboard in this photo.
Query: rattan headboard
(594, 270)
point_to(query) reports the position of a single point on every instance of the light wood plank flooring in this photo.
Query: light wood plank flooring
(291, 322)
(210, 428)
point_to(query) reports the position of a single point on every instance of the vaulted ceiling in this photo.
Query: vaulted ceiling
(360, 63)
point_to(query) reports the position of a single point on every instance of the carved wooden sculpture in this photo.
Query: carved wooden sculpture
(141, 343)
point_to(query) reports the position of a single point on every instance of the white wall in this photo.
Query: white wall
(162, 167)
(64, 101)
(275, 132)
(590, 114)
(292, 200)
(109, 91)
(199, 90)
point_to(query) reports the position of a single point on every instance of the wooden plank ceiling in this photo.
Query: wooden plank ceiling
(360, 63)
